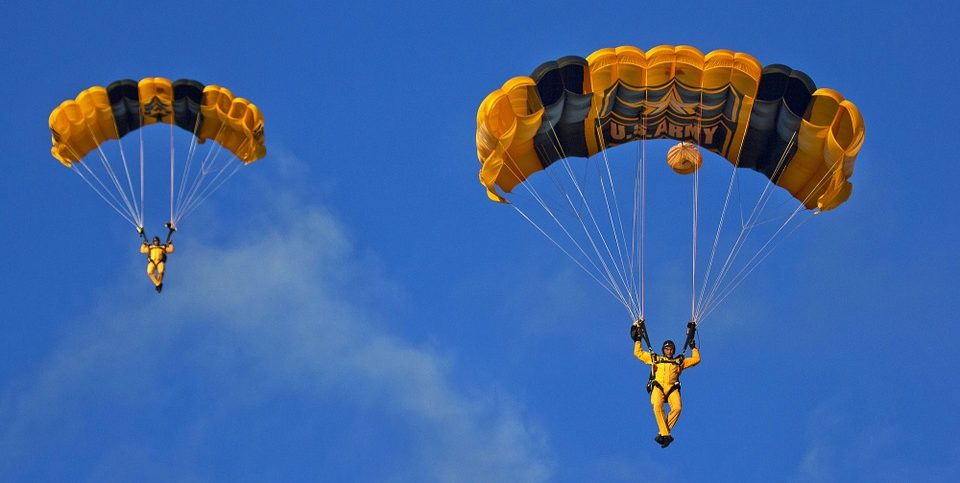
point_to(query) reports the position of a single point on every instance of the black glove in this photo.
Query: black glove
(638, 331)
(691, 334)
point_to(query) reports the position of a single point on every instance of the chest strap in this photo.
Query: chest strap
(652, 383)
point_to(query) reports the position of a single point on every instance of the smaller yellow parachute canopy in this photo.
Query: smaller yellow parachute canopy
(98, 114)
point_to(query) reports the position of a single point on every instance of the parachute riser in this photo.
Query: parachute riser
(170, 229)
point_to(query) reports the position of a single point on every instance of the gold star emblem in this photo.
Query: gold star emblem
(156, 109)
(672, 101)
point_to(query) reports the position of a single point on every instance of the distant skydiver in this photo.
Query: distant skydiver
(157, 255)
(664, 382)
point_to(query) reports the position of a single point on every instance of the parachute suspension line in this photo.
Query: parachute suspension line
(609, 285)
(696, 212)
(172, 164)
(783, 203)
(716, 238)
(693, 264)
(595, 276)
(133, 195)
(188, 163)
(636, 242)
(636, 264)
(199, 190)
(744, 273)
(747, 228)
(536, 195)
(742, 236)
(587, 233)
(620, 238)
(723, 214)
(575, 212)
(206, 166)
(750, 266)
(192, 182)
(771, 220)
(612, 280)
(566, 164)
(588, 272)
(642, 169)
(212, 187)
(642, 240)
(634, 247)
(114, 203)
(142, 174)
(108, 169)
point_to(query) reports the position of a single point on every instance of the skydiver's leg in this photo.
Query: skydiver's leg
(160, 268)
(656, 400)
(675, 407)
(151, 268)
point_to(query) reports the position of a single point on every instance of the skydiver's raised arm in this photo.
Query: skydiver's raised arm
(638, 332)
(641, 354)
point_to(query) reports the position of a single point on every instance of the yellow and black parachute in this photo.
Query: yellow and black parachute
(770, 119)
(82, 128)
(724, 101)
(100, 114)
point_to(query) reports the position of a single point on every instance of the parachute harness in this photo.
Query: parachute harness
(656, 359)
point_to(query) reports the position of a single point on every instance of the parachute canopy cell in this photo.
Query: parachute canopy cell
(99, 114)
(770, 119)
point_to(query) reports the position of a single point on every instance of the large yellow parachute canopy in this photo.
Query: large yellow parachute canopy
(769, 119)
(100, 114)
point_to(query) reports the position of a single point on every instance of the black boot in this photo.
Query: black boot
(159, 288)
(666, 440)
(659, 439)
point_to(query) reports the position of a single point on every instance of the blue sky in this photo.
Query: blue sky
(353, 308)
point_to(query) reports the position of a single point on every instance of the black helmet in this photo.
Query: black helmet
(668, 343)
(156, 239)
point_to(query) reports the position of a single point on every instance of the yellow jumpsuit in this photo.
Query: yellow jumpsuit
(156, 259)
(666, 373)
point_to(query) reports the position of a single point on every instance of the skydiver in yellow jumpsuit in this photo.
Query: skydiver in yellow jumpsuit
(664, 385)
(157, 255)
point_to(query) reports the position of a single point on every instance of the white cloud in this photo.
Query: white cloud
(285, 312)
